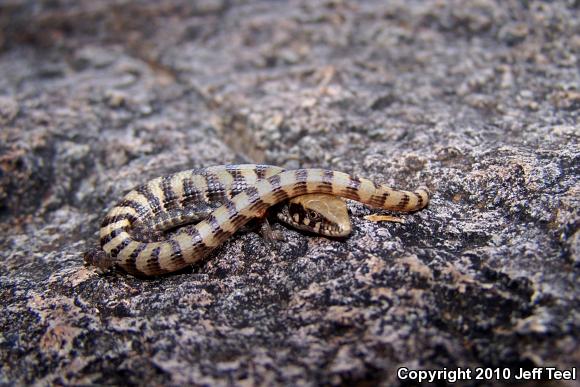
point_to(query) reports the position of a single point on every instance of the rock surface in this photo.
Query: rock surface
(479, 100)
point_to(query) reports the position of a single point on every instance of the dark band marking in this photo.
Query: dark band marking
(153, 261)
(107, 238)
(327, 176)
(216, 191)
(232, 210)
(138, 207)
(176, 253)
(256, 203)
(154, 256)
(280, 196)
(351, 191)
(261, 171)
(276, 184)
(191, 194)
(154, 203)
(169, 197)
(300, 187)
(239, 220)
(259, 208)
(217, 231)
(354, 183)
(301, 175)
(379, 200)
(419, 199)
(404, 201)
(233, 170)
(235, 218)
(117, 249)
(253, 194)
(197, 240)
(117, 218)
(129, 263)
(324, 188)
(239, 181)
(325, 185)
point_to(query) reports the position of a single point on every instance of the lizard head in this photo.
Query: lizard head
(317, 213)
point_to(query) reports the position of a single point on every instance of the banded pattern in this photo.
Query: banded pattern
(246, 192)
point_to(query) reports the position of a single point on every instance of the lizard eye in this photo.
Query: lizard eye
(313, 214)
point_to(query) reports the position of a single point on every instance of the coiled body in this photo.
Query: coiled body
(245, 191)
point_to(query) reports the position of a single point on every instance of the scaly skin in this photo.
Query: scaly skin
(247, 191)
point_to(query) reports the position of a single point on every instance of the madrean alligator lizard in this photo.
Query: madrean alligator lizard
(244, 192)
